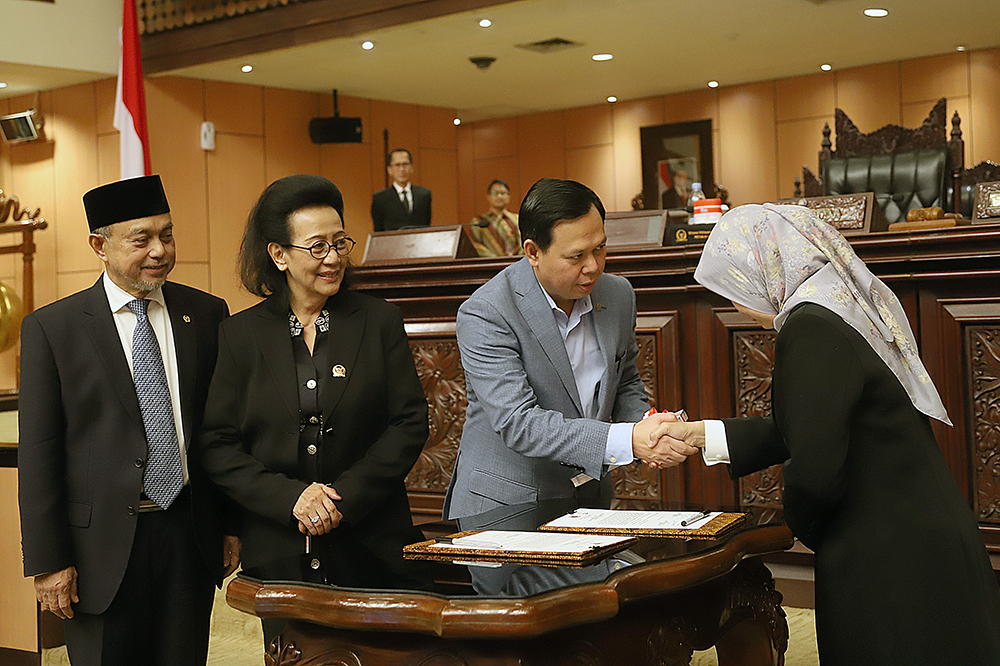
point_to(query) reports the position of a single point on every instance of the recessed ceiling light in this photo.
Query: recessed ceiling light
(713, 84)
(247, 69)
(367, 46)
(485, 23)
(876, 12)
(826, 67)
(601, 57)
(960, 49)
(458, 121)
(2, 84)
(612, 98)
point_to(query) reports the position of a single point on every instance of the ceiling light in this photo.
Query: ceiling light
(713, 84)
(2, 84)
(458, 121)
(601, 57)
(612, 98)
(876, 12)
(485, 23)
(960, 49)
(367, 46)
(247, 69)
(826, 67)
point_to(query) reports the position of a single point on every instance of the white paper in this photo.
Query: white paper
(633, 520)
(533, 542)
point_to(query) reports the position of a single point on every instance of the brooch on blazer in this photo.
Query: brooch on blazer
(339, 371)
(187, 319)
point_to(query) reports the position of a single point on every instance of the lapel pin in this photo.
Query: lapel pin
(598, 307)
(339, 371)
(187, 319)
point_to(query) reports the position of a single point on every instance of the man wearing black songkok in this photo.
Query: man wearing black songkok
(120, 529)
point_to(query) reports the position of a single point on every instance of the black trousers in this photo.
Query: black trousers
(162, 611)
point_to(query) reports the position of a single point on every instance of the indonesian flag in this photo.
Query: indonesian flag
(130, 100)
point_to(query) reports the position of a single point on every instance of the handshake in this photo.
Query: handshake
(666, 439)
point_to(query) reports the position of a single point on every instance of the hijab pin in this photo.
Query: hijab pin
(187, 319)
(339, 371)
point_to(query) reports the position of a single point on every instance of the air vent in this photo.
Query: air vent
(549, 45)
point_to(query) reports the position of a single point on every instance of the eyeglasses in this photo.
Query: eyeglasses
(500, 193)
(320, 249)
(400, 165)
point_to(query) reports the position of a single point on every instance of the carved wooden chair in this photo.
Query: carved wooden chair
(905, 168)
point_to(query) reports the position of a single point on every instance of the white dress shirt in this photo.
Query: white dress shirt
(125, 321)
(585, 357)
(716, 445)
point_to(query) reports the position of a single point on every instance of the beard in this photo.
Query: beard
(135, 281)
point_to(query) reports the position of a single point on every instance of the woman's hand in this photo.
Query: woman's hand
(315, 510)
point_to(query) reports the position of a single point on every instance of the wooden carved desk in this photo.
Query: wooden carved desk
(687, 595)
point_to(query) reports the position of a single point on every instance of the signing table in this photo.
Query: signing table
(652, 605)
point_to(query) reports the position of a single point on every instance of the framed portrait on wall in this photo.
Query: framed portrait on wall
(674, 156)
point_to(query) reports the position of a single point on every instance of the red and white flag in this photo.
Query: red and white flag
(130, 101)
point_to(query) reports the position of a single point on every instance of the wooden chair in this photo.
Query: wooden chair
(905, 168)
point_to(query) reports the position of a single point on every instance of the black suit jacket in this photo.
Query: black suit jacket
(375, 426)
(867, 488)
(82, 443)
(388, 211)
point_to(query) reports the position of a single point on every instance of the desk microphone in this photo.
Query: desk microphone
(482, 224)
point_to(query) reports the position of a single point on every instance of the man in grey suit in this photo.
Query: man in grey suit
(549, 352)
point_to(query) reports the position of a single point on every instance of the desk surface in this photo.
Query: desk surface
(520, 600)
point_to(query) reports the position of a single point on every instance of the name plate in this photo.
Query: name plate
(635, 229)
(850, 214)
(412, 245)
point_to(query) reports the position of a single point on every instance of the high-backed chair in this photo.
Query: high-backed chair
(905, 168)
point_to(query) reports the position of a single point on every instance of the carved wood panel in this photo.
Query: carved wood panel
(753, 361)
(439, 367)
(983, 354)
(441, 374)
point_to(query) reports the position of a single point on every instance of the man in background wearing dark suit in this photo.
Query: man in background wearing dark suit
(119, 527)
(402, 204)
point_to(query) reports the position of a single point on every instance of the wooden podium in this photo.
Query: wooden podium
(422, 244)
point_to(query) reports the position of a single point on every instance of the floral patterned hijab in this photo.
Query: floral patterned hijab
(770, 258)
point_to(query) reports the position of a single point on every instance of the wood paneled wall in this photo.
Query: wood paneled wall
(762, 135)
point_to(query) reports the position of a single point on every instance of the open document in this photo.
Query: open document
(687, 524)
(551, 548)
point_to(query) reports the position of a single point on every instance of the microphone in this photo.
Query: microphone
(482, 224)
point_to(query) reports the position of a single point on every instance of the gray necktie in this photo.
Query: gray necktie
(163, 477)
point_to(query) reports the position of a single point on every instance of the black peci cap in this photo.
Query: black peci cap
(124, 200)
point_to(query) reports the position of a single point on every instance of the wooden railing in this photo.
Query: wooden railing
(162, 15)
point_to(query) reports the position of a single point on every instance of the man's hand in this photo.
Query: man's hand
(683, 438)
(231, 547)
(652, 450)
(56, 592)
(316, 511)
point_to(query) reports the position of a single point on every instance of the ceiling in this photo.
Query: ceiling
(659, 46)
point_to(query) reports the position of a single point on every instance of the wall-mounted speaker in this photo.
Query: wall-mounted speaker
(335, 130)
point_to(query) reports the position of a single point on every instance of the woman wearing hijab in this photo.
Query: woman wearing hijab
(902, 575)
(315, 414)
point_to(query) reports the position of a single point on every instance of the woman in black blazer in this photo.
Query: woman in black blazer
(902, 575)
(315, 413)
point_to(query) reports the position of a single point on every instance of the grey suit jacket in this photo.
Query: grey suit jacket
(525, 434)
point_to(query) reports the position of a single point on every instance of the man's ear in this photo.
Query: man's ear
(97, 242)
(531, 251)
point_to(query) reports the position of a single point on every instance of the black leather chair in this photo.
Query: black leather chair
(901, 181)
(905, 168)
